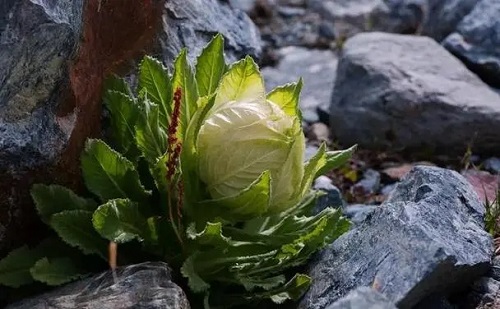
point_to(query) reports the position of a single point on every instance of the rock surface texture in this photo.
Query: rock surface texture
(193, 23)
(428, 238)
(145, 286)
(363, 298)
(477, 40)
(408, 93)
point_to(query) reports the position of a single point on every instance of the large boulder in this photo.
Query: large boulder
(146, 286)
(54, 56)
(408, 93)
(477, 40)
(427, 239)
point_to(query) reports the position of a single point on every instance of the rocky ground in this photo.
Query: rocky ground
(406, 100)
(415, 83)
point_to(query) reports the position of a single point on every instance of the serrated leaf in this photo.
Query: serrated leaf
(75, 228)
(124, 112)
(287, 97)
(185, 80)
(52, 199)
(120, 221)
(210, 66)
(211, 235)
(151, 139)
(154, 78)
(55, 271)
(249, 203)
(265, 283)
(293, 289)
(109, 175)
(15, 267)
(241, 82)
(115, 83)
(335, 159)
(195, 282)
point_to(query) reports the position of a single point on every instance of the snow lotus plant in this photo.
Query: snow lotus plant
(206, 171)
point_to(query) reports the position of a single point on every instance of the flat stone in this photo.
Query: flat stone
(369, 183)
(357, 213)
(363, 297)
(476, 41)
(316, 67)
(145, 286)
(428, 238)
(408, 93)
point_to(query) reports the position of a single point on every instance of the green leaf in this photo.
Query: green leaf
(193, 187)
(241, 82)
(185, 80)
(109, 175)
(55, 271)
(251, 202)
(335, 159)
(120, 221)
(195, 282)
(265, 283)
(124, 112)
(210, 66)
(115, 83)
(150, 137)
(75, 228)
(323, 162)
(287, 97)
(153, 77)
(15, 267)
(53, 199)
(293, 290)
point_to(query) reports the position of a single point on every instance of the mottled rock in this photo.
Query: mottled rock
(427, 238)
(244, 5)
(316, 67)
(194, 23)
(145, 286)
(476, 41)
(52, 67)
(363, 297)
(408, 93)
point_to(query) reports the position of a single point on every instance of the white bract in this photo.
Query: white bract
(240, 140)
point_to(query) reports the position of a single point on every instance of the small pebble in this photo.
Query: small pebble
(492, 165)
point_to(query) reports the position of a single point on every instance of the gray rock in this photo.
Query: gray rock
(495, 269)
(194, 23)
(476, 41)
(427, 238)
(357, 213)
(363, 297)
(369, 184)
(333, 196)
(145, 286)
(492, 165)
(36, 40)
(386, 190)
(244, 5)
(408, 93)
(316, 67)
